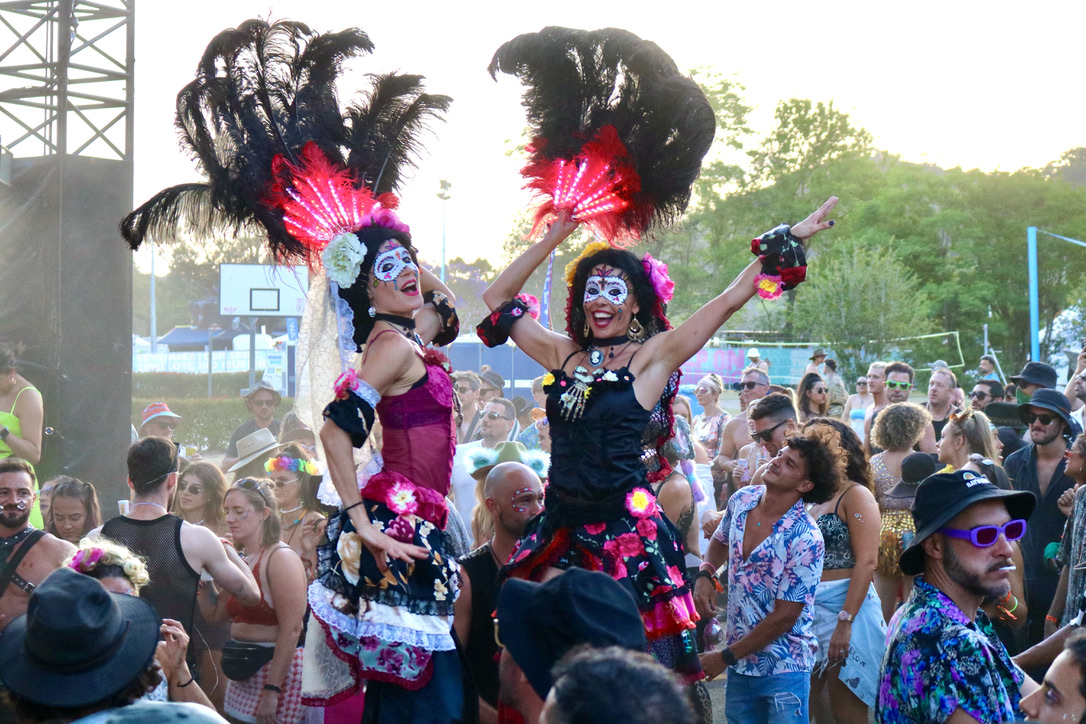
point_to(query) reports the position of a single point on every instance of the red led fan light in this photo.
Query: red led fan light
(596, 187)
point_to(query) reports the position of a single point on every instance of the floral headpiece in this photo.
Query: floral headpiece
(292, 465)
(656, 271)
(589, 250)
(86, 560)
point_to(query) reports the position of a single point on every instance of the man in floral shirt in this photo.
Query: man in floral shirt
(774, 552)
(944, 662)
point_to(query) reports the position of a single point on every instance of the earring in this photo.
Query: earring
(372, 312)
(587, 331)
(636, 332)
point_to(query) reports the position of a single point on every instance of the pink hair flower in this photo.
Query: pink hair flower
(661, 282)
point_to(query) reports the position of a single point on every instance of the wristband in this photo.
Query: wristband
(728, 656)
(450, 323)
(273, 687)
(707, 566)
(4, 434)
(355, 505)
(191, 679)
(1053, 619)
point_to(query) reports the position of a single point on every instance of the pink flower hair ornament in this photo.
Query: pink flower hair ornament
(84, 561)
(656, 271)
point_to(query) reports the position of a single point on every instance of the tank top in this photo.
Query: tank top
(261, 614)
(11, 422)
(172, 590)
(480, 649)
(839, 553)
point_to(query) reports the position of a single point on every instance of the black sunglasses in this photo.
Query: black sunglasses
(975, 395)
(767, 434)
(1032, 417)
(495, 416)
(747, 385)
(194, 488)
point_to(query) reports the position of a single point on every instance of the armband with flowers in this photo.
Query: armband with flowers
(353, 409)
(784, 263)
(450, 323)
(494, 330)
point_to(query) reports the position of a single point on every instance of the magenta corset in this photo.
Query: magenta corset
(418, 438)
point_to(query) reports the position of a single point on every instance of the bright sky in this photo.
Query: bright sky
(989, 85)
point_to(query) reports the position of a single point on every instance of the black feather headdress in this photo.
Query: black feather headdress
(619, 132)
(264, 123)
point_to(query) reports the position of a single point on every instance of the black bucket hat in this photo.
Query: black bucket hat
(1036, 373)
(915, 469)
(942, 496)
(539, 622)
(1052, 400)
(77, 643)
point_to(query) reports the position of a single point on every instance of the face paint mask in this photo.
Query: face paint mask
(389, 264)
(613, 289)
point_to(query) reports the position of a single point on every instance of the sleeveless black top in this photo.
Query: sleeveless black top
(481, 650)
(839, 553)
(595, 460)
(172, 590)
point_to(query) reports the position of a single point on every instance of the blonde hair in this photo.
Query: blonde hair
(101, 558)
(482, 522)
(976, 428)
(714, 383)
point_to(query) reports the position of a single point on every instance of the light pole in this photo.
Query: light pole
(444, 195)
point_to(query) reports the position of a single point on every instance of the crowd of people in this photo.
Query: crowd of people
(427, 550)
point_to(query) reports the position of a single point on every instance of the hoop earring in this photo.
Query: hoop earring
(372, 312)
(636, 332)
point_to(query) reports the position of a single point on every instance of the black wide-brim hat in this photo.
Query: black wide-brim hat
(1036, 373)
(942, 496)
(1046, 399)
(77, 644)
(540, 622)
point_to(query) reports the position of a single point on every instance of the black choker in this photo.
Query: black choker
(12, 540)
(405, 322)
(609, 341)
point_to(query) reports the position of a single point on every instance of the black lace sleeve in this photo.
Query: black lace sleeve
(782, 255)
(494, 330)
(450, 323)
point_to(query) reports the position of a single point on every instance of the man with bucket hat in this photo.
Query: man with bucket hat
(81, 652)
(944, 662)
(262, 399)
(1038, 467)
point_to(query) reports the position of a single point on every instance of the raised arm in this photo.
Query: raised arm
(544, 346)
(672, 349)
(428, 321)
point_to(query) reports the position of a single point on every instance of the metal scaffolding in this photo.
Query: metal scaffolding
(66, 78)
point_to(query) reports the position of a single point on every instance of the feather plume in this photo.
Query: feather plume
(580, 83)
(262, 108)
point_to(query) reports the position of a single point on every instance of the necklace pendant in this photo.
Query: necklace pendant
(595, 357)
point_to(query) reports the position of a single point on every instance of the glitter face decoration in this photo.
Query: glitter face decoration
(522, 499)
(390, 263)
(613, 288)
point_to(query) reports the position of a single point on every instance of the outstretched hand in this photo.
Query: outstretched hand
(814, 223)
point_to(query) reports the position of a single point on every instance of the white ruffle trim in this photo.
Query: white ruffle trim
(383, 622)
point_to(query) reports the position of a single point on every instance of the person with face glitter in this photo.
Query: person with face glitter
(29, 555)
(608, 397)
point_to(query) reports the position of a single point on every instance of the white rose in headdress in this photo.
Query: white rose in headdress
(342, 259)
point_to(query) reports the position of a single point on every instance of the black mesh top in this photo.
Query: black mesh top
(172, 590)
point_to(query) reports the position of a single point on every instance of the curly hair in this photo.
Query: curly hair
(826, 461)
(652, 313)
(102, 558)
(859, 467)
(900, 426)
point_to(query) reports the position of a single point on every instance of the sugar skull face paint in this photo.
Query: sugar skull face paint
(390, 263)
(611, 288)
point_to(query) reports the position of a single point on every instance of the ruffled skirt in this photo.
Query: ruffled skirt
(645, 555)
(381, 627)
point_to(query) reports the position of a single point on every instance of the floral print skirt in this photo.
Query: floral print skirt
(641, 550)
(379, 627)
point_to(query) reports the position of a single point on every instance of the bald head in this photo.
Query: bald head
(513, 495)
